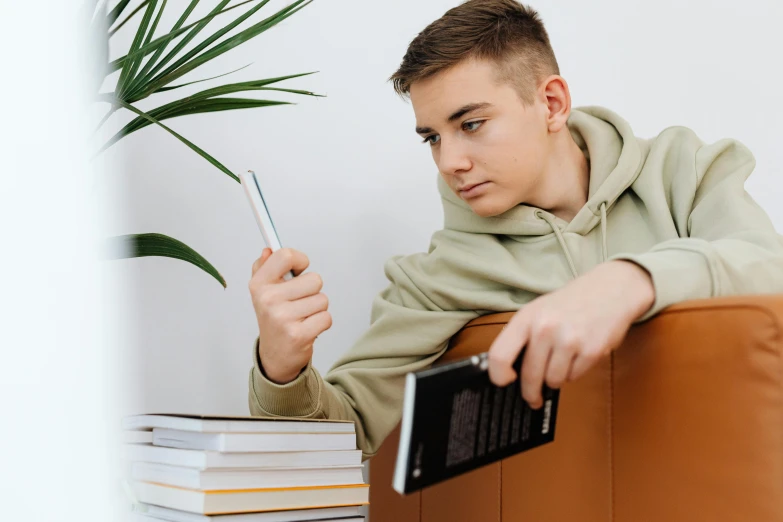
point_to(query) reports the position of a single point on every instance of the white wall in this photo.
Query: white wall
(350, 184)
(59, 432)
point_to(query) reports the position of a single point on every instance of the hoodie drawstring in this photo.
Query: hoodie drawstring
(564, 245)
(560, 240)
(603, 231)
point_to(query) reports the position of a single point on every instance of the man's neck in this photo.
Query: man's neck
(566, 179)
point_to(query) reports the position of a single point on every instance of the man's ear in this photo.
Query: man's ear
(556, 96)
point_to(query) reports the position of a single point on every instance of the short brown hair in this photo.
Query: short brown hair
(503, 31)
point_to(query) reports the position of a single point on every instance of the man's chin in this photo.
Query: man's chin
(487, 208)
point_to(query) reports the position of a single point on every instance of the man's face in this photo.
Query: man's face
(482, 136)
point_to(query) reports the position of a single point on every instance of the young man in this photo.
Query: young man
(561, 214)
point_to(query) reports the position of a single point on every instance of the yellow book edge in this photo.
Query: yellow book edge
(214, 492)
(286, 509)
(259, 490)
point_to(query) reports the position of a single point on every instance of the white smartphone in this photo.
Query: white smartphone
(256, 198)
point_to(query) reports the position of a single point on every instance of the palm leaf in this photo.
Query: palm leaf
(131, 66)
(152, 244)
(181, 108)
(190, 54)
(116, 101)
(181, 68)
(151, 62)
(154, 24)
(129, 17)
(165, 39)
(188, 105)
(147, 39)
(202, 80)
(248, 86)
(197, 28)
(227, 89)
(190, 36)
(116, 12)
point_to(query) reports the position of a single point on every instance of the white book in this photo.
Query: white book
(200, 459)
(253, 442)
(137, 437)
(150, 513)
(293, 515)
(250, 500)
(138, 517)
(233, 424)
(227, 479)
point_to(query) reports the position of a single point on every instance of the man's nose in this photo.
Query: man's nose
(453, 158)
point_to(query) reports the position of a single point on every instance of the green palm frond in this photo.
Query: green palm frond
(143, 87)
(195, 148)
(178, 108)
(127, 18)
(164, 40)
(115, 13)
(208, 101)
(187, 39)
(159, 51)
(130, 66)
(152, 244)
(153, 64)
(172, 87)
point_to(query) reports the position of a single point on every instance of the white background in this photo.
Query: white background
(58, 303)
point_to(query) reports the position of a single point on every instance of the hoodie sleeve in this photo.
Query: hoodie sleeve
(731, 247)
(408, 332)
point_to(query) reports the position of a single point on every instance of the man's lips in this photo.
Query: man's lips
(465, 188)
(472, 190)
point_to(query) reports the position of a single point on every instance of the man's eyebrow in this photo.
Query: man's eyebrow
(459, 113)
(468, 108)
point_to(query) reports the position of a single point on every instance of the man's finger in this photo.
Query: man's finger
(570, 373)
(534, 365)
(307, 306)
(261, 260)
(300, 287)
(505, 349)
(559, 367)
(280, 262)
(317, 323)
(579, 367)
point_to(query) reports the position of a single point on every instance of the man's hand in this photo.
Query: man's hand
(290, 314)
(567, 331)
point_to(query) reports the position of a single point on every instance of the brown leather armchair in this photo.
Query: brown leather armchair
(684, 422)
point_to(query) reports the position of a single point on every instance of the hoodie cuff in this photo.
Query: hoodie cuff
(298, 398)
(677, 275)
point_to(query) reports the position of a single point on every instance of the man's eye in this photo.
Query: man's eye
(432, 139)
(472, 126)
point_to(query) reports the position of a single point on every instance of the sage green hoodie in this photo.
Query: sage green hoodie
(672, 204)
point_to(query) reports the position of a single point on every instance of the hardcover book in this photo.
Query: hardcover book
(455, 420)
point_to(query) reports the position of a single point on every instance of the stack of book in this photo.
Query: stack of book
(243, 469)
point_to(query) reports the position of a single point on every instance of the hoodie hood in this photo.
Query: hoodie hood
(615, 158)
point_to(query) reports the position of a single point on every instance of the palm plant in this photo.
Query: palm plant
(153, 64)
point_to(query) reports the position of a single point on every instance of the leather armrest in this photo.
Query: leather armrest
(697, 413)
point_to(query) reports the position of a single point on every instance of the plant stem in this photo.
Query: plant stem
(108, 115)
